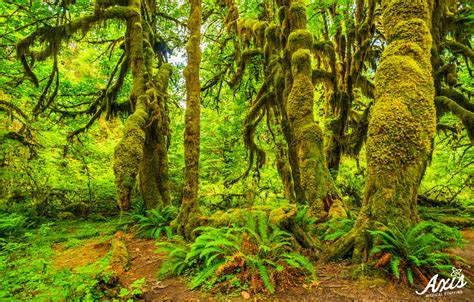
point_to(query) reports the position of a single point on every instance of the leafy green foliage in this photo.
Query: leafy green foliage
(256, 256)
(155, 222)
(12, 224)
(415, 250)
(305, 220)
(335, 228)
(135, 291)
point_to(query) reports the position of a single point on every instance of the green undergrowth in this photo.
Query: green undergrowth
(462, 217)
(151, 224)
(256, 257)
(28, 269)
(415, 253)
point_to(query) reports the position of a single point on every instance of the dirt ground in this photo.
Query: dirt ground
(335, 282)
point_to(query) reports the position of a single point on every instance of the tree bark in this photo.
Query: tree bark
(128, 152)
(189, 215)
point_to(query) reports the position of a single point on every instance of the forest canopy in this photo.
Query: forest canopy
(256, 140)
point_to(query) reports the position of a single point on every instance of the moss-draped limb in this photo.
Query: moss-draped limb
(462, 49)
(467, 117)
(254, 116)
(401, 128)
(53, 36)
(189, 215)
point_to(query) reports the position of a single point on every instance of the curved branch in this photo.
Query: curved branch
(466, 117)
(458, 97)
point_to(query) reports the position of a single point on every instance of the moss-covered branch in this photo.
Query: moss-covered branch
(445, 104)
(458, 97)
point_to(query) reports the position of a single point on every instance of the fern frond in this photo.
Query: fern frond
(394, 265)
(262, 271)
(205, 274)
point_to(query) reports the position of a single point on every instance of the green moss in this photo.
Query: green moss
(259, 32)
(129, 152)
(337, 210)
(300, 39)
(413, 30)
(301, 61)
(396, 11)
(297, 15)
(403, 119)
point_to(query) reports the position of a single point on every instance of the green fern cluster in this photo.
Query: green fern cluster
(335, 228)
(155, 222)
(12, 224)
(250, 257)
(305, 220)
(416, 250)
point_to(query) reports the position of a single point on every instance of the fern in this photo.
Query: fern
(262, 270)
(11, 224)
(155, 222)
(223, 255)
(296, 260)
(419, 247)
(205, 274)
(175, 263)
(336, 227)
(305, 220)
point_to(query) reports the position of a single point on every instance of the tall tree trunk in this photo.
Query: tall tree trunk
(316, 181)
(188, 217)
(154, 184)
(402, 126)
(143, 149)
(128, 152)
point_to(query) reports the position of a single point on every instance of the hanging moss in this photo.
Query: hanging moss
(259, 33)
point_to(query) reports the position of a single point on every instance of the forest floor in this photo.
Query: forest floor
(335, 280)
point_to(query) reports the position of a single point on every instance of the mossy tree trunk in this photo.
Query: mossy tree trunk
(316, 181)
(142, 149)
(129, 151)
(189, 215)
(402, 126)
(153, 170)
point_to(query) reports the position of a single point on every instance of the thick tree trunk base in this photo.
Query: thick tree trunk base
(189, 218)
